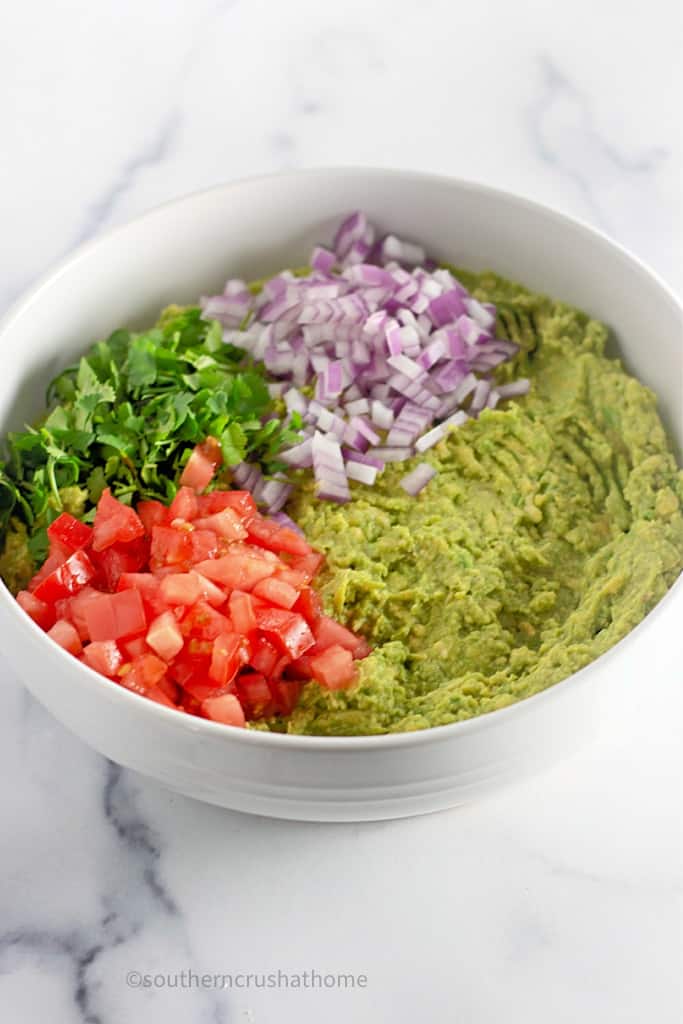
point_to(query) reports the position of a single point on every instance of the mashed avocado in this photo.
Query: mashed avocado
(553, 526)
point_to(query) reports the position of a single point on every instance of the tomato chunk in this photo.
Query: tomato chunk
(288, 631)
(114, 523)
(184, 505)
(203, 545)
(264, 656)
(164, 636)
(68, 579)
(277, 591)
(152, 513)
(64, 633)
(334, 668)
(226, 709)
(310, 606)
(202, 622)
(70, 532)
(170, 546)
(242, 612)
(39, 611)
(104, 657)
(241, 502)
(134, 647)
(255, 695)
(210, 591)
(274, 537)
(236, 571)
(308, 565)
(327, 633)
(198, 472)
(113, 616)
(226, 524)
(230, 653)
(181, 588)
(118, 559)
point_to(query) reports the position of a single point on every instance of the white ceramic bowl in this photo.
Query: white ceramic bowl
(250, 228)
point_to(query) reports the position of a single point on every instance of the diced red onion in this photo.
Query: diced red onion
(283, 520)
(514, 389)
(418, 478)
(328, 467)
(359, 471)
(322, 259)
(391, 343)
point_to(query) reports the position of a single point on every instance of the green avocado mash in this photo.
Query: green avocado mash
(553, 526)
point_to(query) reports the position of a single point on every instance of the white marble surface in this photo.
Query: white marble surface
(557, 901)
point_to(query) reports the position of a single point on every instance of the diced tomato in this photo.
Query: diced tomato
(277, 591)
(113, 616)
(134, 647)
(301, 668)
(226, 709)
(203, 545)
(164, 636)
(264, 656)
(334, 668)
(236, 570)
(274, 537)
(148, 669)
(64, 633)
(308, 565)
(198, 472)
(68, 579)
(170, 689)
(170, 546)
(226, 524)
(144, 675)
(202, 622)
(255, 695)
(181, 588)
(241, 502)
(200, 687)
(242, 612)
(51, 563)
(310, 606)
(327, 633)
(230, 653)
(149, 586)
(184, 505)
(39, 611)
(145, 600)
(152, 513)
(210, 591)
(296, 579)
(118, 559)
(70, 532)
(104, 657)
(288, 631)
(186, 667)
(115, 523)
(77, 605)
(60, 552)
(286, 693)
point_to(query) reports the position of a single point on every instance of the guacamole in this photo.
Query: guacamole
(553, 526)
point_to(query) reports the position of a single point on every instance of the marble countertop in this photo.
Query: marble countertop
(557, 900)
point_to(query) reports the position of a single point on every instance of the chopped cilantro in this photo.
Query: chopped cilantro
(128, 415)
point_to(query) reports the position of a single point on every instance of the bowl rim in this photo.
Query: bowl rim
(377, 741)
